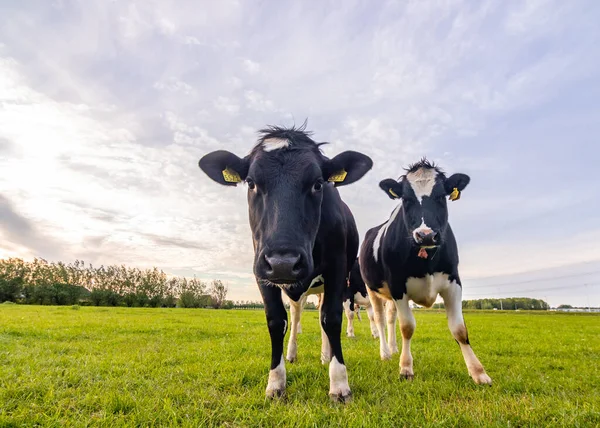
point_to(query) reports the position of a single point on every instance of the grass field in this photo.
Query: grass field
(190, 367)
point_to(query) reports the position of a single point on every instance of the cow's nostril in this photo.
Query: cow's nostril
(268, 267)
(297, 266)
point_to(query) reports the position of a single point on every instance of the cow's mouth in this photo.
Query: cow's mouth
(281, 284)
(423, 251)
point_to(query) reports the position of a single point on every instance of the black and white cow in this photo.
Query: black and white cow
(303, 234)
(414, 256)
(355, 295)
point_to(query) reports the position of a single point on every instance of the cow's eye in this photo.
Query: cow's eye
(250, 183)
(318, 186)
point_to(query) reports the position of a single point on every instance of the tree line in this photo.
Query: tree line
(510, 303)
(47, 283)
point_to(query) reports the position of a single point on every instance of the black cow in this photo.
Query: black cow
(355, 295)
(302, 232)
(414, 256)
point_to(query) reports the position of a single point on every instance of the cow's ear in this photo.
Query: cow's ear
(347, 167)
(224, 167)
(455, 184)
(391, 188)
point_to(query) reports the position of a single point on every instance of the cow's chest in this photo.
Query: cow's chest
(424, 291)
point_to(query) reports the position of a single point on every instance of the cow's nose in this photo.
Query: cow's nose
(426, 237)
(283, 267)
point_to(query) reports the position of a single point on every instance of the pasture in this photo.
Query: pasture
(63, 366)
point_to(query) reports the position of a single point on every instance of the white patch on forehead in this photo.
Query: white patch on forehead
(383, 230)
(422, 181)
(271, 144)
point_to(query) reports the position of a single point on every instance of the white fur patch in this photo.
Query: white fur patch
(316, 290)
(424, 291)
(271, 144)
(422, 228)
(381, 232)
(359, 299)
(422, 181)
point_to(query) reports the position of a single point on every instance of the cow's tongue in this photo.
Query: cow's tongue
(423, 253)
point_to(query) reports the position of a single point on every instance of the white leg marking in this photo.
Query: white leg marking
(350, 317)
(295, 312)
(371, 316)
(407, 327)
(390, 314)
(378, 312)
(453, 302)
(276, 385)
(338, 381)
(325, 345)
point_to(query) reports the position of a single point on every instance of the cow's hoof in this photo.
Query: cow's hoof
(406, 374)
(385, 356)
(350, 334)
(275, 393)
(482, 379)
(291, 359)
(341, 397)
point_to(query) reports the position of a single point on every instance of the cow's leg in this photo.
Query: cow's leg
(407, 328)
(277, 323)
(350, 317)
(325, 346)
(295, 313)
(390, 314)
(358, 312)
(379, 315)
(453, 302)
(302, 304)
(371, 316)
(331, 320)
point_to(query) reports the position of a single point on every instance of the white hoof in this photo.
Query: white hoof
(482, 378)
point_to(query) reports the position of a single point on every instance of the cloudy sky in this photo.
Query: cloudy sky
(107, 106)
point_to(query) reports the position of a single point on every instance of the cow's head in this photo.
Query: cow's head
(423, 190)
(287, 176)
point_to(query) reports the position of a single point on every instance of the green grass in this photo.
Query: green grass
(190, 367)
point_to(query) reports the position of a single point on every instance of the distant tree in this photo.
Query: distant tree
(218, 293)
(10, 289)
(506, 303)
(565, 307)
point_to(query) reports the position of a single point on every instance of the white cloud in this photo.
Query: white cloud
(174, 85)
(226, 105)
(251, 67)
(257, 101)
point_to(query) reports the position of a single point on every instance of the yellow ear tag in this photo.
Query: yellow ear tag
(338, 177)
(231, 176)
(455, 194)
(393, 194)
